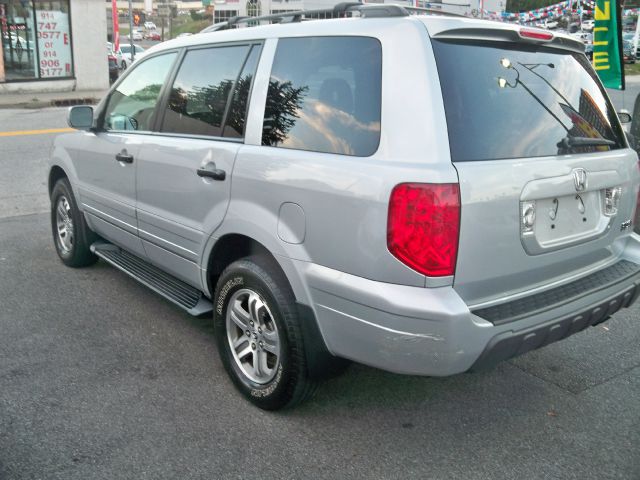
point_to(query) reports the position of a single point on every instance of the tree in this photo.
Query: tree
(527, 5)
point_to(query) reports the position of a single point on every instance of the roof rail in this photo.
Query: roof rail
(433, 11)
(341, 10)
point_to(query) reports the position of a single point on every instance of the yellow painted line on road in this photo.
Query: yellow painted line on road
(36, 132)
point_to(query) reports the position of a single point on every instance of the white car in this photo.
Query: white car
(136, 34)
(149, 25)
(124, 55)
(587, 25)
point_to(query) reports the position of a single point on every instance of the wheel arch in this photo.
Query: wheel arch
(56, 173)
(235, 245)
(231, 247)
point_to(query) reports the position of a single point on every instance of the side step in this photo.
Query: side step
(174, 290)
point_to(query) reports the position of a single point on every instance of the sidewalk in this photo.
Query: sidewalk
(50, 99)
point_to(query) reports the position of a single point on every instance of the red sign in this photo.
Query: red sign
(116, 26)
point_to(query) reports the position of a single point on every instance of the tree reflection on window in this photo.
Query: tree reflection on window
(281, 111)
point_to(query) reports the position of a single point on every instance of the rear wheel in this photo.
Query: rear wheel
(123, 65)
(258, 334)
(71, 235)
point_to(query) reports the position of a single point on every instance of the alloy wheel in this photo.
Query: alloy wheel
(253, 336)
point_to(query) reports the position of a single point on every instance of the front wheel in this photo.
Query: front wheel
(123, 65)
(258, 334)
(71, 234)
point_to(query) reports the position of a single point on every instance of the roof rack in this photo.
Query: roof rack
(433, 11)
(341, 10)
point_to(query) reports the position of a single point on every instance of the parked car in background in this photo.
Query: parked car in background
(150, 25)
(582, 36)
(124, 55)
(114, 69)
(136, 34)
(153, 35)
(631, 37)
(185, 34)
(112, 59)
(628, 52)
(588, 50)
(587, 25)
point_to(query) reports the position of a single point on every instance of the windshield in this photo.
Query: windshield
(513, 100)
(125, 48)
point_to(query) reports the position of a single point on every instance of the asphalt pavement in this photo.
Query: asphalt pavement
(625, 99)
(102, 379)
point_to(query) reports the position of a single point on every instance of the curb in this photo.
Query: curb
(36, 103)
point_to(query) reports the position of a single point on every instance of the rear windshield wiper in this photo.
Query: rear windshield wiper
(570, 142)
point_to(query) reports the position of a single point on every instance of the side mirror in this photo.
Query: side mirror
(80, 117)
(624, 116)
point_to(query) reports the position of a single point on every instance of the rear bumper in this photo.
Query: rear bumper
(510, 344)
(431, 331)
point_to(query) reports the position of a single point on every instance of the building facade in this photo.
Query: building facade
(53, 45)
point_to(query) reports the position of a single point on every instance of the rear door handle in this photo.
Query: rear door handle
(124, 157)
(210, 171)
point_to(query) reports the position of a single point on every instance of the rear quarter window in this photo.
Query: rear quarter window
(324, 95)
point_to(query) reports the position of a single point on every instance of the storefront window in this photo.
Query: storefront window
(36, 40)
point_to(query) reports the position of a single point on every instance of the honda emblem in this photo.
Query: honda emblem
(580, 179)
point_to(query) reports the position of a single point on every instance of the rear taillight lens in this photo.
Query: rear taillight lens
(612, 200)
(424, 225)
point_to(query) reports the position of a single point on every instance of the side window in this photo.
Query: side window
(132, 104)
(237, 114)
(324, 95)
(200, 93)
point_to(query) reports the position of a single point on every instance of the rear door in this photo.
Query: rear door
(547, 183)
(184, 171)
(105, 161)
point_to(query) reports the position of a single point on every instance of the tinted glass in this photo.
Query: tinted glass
(234, 124)
(131, 105)
(324, 95)
(513, 101)
(200, 93)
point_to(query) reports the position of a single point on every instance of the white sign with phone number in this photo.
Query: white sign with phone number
(54, 43)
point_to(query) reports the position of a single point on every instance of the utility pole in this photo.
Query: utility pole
(162, 13)
(133, 50)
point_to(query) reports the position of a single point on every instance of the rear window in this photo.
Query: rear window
(513, 101)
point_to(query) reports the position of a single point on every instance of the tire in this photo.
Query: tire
(71, 235)
(268, 364)
(123, 65)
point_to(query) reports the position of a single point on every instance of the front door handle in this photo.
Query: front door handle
(210, 171)
(124, 157)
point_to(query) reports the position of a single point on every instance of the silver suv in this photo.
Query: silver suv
(421, 193)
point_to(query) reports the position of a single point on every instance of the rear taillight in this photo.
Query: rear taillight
(535, 34)
(424, 225)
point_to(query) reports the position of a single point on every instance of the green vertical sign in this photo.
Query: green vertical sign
(607, 44)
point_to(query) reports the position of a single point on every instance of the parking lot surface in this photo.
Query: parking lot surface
(102, 378)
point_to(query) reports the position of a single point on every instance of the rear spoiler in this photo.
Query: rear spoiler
(509, 35)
